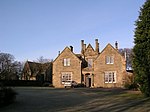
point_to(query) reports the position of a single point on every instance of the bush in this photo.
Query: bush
(80, 85)
(7, 96)
(132, 86)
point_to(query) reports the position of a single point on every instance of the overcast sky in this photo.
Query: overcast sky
(33, 28)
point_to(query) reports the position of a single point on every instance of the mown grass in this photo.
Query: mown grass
(114, 101)
(78, 100)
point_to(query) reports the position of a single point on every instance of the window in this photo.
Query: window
(90, 63)
(66, 77)
(109, 60)
(110, 77)
(67, 62)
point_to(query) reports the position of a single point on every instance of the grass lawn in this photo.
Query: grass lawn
(38, 99)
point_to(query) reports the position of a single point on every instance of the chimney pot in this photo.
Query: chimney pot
(82, 46)
(116, 45)
(71, 48)
(96, 46)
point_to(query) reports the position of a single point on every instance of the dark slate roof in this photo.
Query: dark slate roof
(34, 66)
(79, 56)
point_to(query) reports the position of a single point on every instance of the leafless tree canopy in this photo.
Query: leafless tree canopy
(41, 59)
(128, 54)
(9, 69)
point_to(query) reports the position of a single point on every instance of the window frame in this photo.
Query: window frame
(109, 59)
(110, 77)
(66, 62)
(66, 77)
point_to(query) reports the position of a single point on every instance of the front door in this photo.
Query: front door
(88, 81)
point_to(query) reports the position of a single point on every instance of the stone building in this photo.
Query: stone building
(37, 71)
(91, 67)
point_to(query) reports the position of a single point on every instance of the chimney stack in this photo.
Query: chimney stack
(58, 52)
(71, 48)
(116, 45)
(82, 46)
(96, 46)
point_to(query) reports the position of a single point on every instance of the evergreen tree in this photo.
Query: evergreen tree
(141, 60)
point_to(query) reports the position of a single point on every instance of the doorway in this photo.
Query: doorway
(87, 80)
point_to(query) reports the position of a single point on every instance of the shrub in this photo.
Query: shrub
(7, 96)
(132, 86)
(80, 85)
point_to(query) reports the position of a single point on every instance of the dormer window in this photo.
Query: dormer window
(109, 59)
(67, 62)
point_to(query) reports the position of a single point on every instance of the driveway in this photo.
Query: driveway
(44, 99)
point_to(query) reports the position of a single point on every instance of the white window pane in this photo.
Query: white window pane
(66, 77)
(107, 59)
(68, 62)
(111, 59)
(106, 78)
(65, 62)
(110, 77)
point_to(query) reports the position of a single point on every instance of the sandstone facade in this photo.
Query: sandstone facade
(66, 66)
(91, 67)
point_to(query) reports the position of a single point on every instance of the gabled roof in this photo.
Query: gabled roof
(34, 66)
(89, 46)
(64, 51)
(108, 46)
(30, 66)
(112, 48)
(79, 56)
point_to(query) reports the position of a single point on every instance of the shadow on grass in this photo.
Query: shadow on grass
(116, 100)
(78, 99)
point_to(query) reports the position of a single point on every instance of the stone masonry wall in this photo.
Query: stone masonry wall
(58, 68)
(100, 67)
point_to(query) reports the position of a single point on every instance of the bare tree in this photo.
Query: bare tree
(128, 54)
(41, 59)
(6, 61)
(17, 68)
(9, 69)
